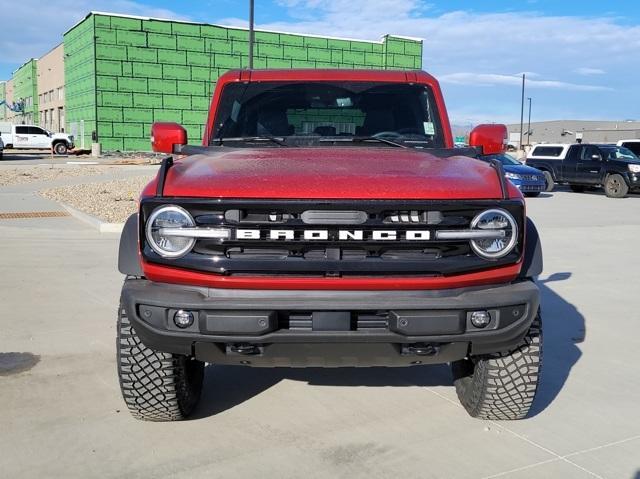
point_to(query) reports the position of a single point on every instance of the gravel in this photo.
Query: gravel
(17, 176)
(111, 201)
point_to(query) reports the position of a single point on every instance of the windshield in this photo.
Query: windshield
(504, 159)
(317, 113)
(619, 153)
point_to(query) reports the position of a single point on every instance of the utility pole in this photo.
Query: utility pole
(529, 127)
(251, 35)
(522, 111)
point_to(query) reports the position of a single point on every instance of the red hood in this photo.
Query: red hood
(331, 173)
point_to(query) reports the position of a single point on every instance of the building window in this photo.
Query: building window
(61, 93)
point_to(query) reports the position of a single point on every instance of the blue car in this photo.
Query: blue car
(529, 180)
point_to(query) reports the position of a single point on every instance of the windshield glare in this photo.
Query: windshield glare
(317, 113)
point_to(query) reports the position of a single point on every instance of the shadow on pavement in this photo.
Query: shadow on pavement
(241, 383)
(563, 328)
(228, 386)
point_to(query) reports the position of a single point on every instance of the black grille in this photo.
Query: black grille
(333, 257)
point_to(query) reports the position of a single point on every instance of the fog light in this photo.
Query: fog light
(183, 319)
(480, 319)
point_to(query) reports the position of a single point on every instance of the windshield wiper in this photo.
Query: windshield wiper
(363, 139)
(272, 139)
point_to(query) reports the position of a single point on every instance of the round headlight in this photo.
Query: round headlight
(498, 221)
(169, 246)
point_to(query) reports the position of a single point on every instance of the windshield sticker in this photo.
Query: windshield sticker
(429, 129)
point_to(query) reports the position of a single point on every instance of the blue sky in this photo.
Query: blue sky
(581, 57)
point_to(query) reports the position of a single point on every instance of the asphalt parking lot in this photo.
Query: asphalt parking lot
(62, 414)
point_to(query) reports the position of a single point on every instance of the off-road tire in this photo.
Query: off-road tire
(577, 188)
(549, 183)
(60, 148)
(501, 386)
(156, 386)
(615, 186)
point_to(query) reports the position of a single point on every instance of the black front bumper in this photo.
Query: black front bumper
(329, 328)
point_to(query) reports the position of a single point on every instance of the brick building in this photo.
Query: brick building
(122, 73)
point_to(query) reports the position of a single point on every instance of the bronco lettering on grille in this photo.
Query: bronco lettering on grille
(329, 235)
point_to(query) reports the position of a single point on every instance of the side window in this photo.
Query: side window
(555, 151)
(34, 130)
(588, 152)
(22, 130)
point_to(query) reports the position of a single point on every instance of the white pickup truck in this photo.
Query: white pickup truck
(33, 137)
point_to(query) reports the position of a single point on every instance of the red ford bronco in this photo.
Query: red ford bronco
(327, 221)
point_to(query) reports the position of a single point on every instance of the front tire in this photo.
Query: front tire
(549, 183)
(60, 148)
(615, 186)
(156, 386)
(501, 386)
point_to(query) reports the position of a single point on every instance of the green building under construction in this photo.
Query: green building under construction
(122, 73)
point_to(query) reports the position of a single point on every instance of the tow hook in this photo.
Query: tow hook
(245, 349)
(420, 349)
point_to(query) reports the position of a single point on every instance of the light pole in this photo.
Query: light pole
(522, 111)
(529, 126)
(251, 35)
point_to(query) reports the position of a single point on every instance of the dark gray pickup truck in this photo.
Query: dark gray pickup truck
(614, 168)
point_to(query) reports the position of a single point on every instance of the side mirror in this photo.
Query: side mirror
(596, 157)
(165, 136)
(491, 139)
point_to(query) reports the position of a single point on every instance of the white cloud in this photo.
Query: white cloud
(494, 79)
(476, 49)
(589, 71)
(46, 21)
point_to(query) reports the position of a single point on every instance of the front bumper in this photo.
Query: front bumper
(633, 180)
(329, 328)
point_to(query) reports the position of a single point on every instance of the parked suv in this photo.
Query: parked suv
(326, 220)
(614, 168)
(527, 179)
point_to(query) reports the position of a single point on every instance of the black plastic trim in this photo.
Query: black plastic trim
(167, 162)
(128, 258)
(500, 171)
(497, 337)
(532, 263)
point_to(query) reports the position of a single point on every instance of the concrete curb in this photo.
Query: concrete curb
(101, 226)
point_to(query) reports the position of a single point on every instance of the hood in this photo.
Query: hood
(62, 136)
(331, 173)
(522, 170)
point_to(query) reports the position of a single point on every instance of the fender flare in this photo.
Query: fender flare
(128, 258)
(532, 263)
